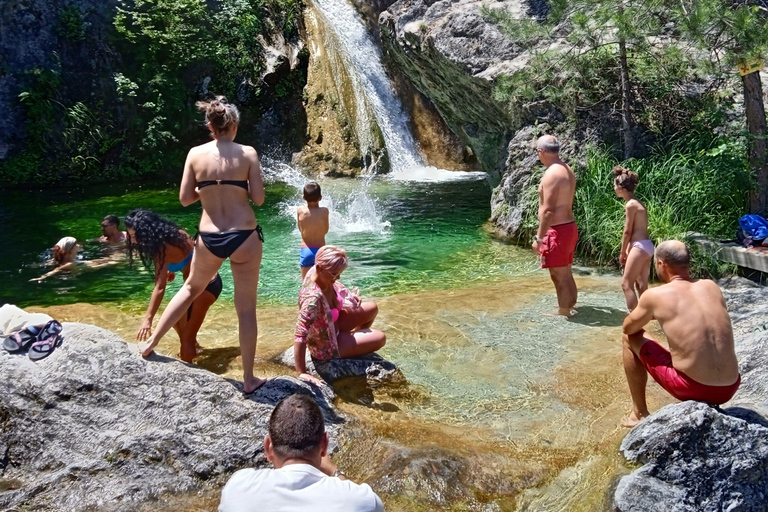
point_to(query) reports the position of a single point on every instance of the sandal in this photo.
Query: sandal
(48, 339)
(22, 339)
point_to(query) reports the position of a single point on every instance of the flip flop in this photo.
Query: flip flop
(22, 339)
(48, 339)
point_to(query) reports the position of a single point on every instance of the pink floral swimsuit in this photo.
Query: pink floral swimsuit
(315, 325)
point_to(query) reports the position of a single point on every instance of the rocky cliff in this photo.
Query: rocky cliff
(96, 427)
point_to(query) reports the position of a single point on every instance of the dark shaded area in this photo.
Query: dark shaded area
(598, 316)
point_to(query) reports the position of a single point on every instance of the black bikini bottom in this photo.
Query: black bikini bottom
(223, 244)
(214, 288)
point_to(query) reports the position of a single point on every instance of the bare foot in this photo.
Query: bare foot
(199, 349)
(566, 311)
(252, 385)
(146, 348)
(632, 419)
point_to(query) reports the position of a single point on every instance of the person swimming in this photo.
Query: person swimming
(313, 225)
(636, 248)
(164, 246)
(223, 176)
(64, 258)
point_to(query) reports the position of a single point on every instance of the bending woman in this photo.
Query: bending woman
(636, 248)
(222, 175)
(333, 322)
(168, 249)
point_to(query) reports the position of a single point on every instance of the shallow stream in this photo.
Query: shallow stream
(506, 408)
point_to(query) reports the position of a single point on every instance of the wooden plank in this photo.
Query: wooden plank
(755, 259)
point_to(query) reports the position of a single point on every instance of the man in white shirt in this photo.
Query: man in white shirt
(304, 477)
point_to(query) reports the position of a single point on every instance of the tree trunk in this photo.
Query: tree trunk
(755, 110)
(626, 102)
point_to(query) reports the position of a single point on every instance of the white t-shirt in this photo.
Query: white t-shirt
(295, 487)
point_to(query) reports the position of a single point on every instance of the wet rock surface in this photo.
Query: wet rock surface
(696, 458)
(373, 367)
(94, 426)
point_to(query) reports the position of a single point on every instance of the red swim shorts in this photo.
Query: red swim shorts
(559, 245)
(658, 361)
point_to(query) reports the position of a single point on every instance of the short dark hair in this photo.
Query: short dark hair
(296, 427)
(312, 191)
(674, 253)
(112, 219)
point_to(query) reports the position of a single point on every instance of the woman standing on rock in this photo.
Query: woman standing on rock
(223, 176)
(636, 248)
(333, 323)
(167, 248)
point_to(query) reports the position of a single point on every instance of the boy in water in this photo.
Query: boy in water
(313, 225)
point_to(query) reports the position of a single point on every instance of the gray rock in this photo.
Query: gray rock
(373, 367)
(95, 426)
(696, 458)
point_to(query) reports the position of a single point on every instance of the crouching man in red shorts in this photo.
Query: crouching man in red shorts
(556, 238)
(701, 361)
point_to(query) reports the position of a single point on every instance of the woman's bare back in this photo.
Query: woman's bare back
(639, 219)
(226, 206)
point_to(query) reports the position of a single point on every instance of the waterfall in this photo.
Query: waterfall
(370, 84)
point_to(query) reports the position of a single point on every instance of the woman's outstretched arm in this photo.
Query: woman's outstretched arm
(161, 279)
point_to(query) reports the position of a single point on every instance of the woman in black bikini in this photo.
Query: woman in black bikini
(164, 246)
(223, 175)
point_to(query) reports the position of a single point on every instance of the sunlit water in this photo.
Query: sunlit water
(529, 402)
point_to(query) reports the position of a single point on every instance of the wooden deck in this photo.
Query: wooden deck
(755, 259)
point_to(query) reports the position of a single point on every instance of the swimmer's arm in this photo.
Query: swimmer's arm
(256, 189)
(641, 315)
(188, 192)
(66, 266)
(548, 206)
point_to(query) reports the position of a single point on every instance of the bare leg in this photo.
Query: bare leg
(246, 262)
(637, 262)
(361, 317)
(304, 271)
(637, 377)
(199, 310)
(204, 267)
(354, 344)
(642, 280)
(565, 286)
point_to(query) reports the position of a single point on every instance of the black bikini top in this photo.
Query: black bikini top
(237, 183)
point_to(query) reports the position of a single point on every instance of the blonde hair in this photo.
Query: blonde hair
(625, 178)
(221, 114)
(62, 248)
(331, 259)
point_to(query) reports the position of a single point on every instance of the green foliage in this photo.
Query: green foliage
(698, 184)
(71, 24)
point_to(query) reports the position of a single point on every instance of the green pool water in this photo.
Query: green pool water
(401, 236)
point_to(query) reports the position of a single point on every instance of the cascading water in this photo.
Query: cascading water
(370, 83)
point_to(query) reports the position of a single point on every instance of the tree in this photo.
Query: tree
(735, 34)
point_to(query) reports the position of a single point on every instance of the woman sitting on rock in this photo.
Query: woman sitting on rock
(165, 246)
(333, 323)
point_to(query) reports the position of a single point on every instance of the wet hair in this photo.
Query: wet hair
(113, 220)
(331, 259)
(296, 427)
(625, 178)
(312, 191)
(674, 253)
(152, 233)
(62, 248)
(548, 144)
(222, 115)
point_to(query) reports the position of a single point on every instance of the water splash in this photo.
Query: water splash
(370, 82)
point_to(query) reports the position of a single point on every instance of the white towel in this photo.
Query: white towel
(13, 318)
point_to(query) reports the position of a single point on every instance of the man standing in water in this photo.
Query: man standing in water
(701, 361)
(556, 238)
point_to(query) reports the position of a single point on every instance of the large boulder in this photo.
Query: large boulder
(373, 367)
(696, 458)
(97, 427)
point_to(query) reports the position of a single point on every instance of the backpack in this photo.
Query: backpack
(754, 227)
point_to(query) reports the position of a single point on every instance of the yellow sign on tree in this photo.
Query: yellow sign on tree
(745, 68)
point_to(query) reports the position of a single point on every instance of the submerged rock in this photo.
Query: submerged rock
(96, 427)
(373, 367)
(696, 458)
